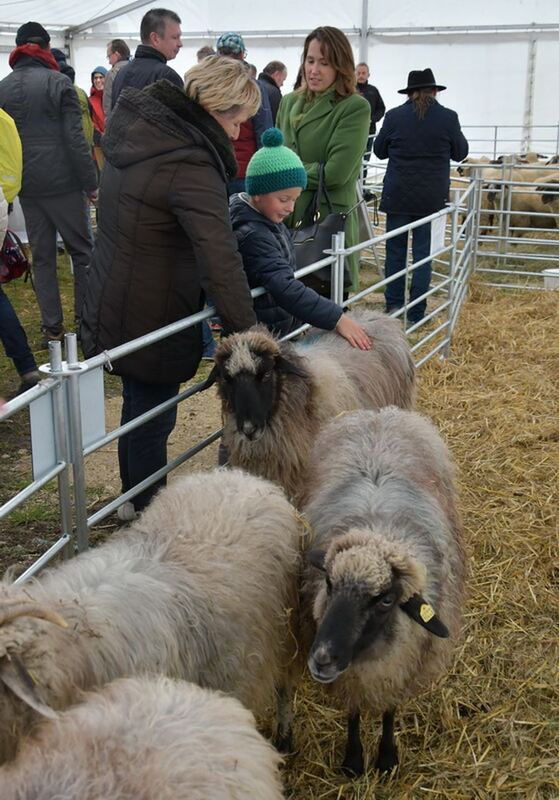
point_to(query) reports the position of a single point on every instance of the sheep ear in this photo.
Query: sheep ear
(424, 614)
(16, 677)
(316, 559)
(283, 364)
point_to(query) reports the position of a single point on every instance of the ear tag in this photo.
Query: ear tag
(426, 612)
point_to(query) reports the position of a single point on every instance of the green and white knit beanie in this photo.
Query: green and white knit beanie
(274, 166)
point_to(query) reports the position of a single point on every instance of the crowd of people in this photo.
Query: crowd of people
(200, 181)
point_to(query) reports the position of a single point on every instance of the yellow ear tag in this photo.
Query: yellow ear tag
(426, 612)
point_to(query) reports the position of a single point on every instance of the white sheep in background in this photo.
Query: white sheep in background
(200, 587)
(385, 580)
(146, 738)
(276, 395)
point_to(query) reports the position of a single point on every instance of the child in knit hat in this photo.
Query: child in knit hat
(274, 180)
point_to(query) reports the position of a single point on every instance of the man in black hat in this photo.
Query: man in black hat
(419, 138)
(58, 171)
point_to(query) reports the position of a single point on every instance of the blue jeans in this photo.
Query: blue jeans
(13, 337)
(396, 251)
(144, 450)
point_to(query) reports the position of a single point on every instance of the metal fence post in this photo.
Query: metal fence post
(76, 442)
(452, 270)
(495, 135)
(61, 442)
(477, 199)
(337, 288)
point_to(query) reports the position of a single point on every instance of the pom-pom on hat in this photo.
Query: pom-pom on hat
(274, 166)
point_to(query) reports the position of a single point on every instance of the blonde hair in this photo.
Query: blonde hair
(222, 85)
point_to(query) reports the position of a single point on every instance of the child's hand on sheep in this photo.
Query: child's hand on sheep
(353, 332)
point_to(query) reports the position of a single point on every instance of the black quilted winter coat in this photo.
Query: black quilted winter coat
(419, 152)
(164, 234)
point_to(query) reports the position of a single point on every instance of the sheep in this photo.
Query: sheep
(550, 194)
(525, 204)
(200, 587)
(385, 574)
(146, 738)
(275, 395)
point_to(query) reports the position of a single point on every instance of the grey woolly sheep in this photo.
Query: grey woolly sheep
(146, 739)
(276, 395)
(385, 577)
(200, 587)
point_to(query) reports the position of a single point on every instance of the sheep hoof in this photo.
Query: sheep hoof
(387, 760)
(353, 766)
(283, 742)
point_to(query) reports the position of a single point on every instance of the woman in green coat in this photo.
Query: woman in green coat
(327, 121)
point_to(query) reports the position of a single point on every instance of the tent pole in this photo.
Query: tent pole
(529, 101)
(363, 43)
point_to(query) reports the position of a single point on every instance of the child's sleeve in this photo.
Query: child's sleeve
(266, 265)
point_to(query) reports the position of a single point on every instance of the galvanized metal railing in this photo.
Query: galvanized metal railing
(67, 408)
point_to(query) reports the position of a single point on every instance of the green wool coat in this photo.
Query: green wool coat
(333, 132)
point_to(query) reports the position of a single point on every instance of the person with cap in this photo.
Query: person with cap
(275, 178)
(232, 45)
(97, 114)
(418, 138)
(160, 33)
(58, 172)
(118, 56)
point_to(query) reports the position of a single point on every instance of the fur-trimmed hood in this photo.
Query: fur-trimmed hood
(160, 119)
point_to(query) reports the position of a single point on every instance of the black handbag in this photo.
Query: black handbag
(311, 240)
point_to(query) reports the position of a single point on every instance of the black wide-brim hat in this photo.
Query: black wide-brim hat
(421, 79)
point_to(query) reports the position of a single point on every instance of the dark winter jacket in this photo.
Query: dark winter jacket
(268, 85)
(148, 66)
(372, 96)
(45, 107)
(269, 261)
(417, 177)
(164, 234)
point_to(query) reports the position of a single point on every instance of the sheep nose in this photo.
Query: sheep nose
(248, 428)
(322, 657)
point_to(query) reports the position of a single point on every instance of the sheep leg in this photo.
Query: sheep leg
(387, 757)
(283, 739)
(353, 765)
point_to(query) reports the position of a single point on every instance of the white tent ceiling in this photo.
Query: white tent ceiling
(499, 59)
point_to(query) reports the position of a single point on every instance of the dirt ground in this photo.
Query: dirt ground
(197, 417)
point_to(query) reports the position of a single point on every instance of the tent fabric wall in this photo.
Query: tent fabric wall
(486, 71)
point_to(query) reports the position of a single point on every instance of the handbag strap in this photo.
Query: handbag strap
(316, 200)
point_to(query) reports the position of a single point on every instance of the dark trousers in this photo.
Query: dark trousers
(44, 216)
(396, 252)
(367, 154)
(144, 450)
(13, 337)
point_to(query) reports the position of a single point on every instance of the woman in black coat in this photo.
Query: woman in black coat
(164, 242)
(419, 138)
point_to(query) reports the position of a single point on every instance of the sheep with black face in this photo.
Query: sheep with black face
(385, 576)
(276, 395)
